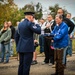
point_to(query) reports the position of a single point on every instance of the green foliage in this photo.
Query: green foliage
(73, 45)
(38, 50)
(28, 7)
(38, 15)
(14, 48)
(6, 12)
(38, 10)
(10, 12)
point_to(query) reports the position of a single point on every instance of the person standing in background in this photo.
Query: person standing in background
(12, 38)
(16, 29)
(66, 20)
(69, 16)
(5, 36)
(69, 50)
(36, 43)
(41, 36)
(49, 53)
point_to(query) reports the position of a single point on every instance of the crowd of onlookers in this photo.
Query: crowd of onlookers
(61, 46)
(47, 25)
(47, 45)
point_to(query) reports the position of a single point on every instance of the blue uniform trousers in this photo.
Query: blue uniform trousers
(25, 62)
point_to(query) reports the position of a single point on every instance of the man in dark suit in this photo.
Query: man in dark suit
(25, 42)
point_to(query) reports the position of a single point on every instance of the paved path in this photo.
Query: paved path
(38, 69)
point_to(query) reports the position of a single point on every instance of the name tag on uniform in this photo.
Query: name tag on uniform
(34, 27)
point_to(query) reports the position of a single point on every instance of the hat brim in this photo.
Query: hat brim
(29, 13)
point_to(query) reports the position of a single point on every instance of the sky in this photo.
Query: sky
(66, 4)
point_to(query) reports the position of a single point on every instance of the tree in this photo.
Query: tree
(11, 2)
(54, 9)
(37, 8)
(27, 7)
(9, 11)
(38, 13)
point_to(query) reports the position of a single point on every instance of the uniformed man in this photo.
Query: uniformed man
(25, 42)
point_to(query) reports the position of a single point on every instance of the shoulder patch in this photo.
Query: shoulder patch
(34, 27)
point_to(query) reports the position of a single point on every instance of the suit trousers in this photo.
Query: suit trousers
(49, 53)
(25, 63)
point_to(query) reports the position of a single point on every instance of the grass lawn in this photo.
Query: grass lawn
(73, 45)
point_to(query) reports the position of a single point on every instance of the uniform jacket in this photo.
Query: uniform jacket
(24, 36)
(60, 35)
(6, 36)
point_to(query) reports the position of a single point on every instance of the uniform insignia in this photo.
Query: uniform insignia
(34, 27)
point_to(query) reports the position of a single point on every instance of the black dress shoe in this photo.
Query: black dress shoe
(34, 62)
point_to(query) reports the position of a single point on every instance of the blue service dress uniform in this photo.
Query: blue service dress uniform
(25, 44)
